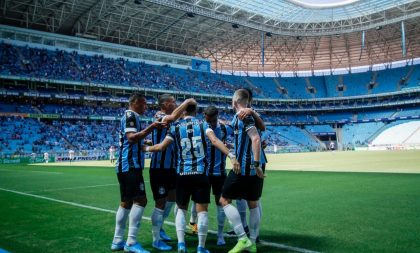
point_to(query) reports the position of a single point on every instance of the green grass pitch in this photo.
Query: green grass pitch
(305, 208)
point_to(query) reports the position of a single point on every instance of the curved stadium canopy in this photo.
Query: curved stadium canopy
(298, 34)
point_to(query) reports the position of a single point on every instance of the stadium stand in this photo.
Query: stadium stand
(295, 125)
(61, 65)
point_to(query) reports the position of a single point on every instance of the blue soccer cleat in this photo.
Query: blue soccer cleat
(164, 236)
(161, 245)
(220, 241)
(202, 250)
(117, 246)
(135, 248)
(181, 247)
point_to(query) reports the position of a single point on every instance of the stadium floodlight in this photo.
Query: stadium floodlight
(299, 37)
(378, 28)
(268, 34)
(236, 26)
(190, 14)
(138, 1)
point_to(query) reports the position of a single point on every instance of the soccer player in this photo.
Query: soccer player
(71, 155)
(190, 138)
(243, 182)
(112, 154)
(46, 157)
(129, 170)
(217, 165)
(241, 204)
(163, 170)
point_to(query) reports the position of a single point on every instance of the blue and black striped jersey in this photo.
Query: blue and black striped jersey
(166, 158)
(189, 137)
(216, 159)
(243, 144)
(130, 154)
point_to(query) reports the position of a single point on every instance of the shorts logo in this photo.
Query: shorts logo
(161, 190)
(131, 123)
(142, 187)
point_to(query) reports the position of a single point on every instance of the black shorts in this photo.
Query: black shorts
(131, 184)
(241, 187)
(216, 184)
(162, 181)
(261, 182)
(195, 187)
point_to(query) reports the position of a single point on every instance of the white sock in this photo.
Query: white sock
(120, 221)
(193, 217)
(203, 227)
(180, 224)
(235, 220)
(134, 223)
(242, 206)
(220, 220)
(168, 208)
(254, 223)
(157, 219)
(175, 210)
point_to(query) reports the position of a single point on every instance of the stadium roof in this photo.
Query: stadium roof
(311, 11)
(298, 34)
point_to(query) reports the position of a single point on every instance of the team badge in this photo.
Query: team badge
(142, 187)
(161, 190)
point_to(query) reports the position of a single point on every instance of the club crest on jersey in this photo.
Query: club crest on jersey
(161, 190)
(142, 187)
(129, 114)
(190, 131)
(236, 132)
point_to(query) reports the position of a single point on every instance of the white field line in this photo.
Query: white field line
(32, 171)
(271, 244)
(73, 188)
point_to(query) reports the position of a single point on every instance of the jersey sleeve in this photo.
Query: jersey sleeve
(130, 122)
(248, 122)
(170, 134)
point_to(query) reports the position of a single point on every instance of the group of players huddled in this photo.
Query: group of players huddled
(188, 160)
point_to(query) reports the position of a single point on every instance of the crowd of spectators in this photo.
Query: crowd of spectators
(63, 65)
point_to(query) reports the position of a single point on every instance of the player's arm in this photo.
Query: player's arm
(220, 146)
(158, 147)
(256, 149)
(259, 123)
(177, 113)
(134, 137)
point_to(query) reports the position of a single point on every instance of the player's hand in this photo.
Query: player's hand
(259, 172)
(235, 165)
(143, 148)
(191, 101)
(264, 144)
(244, 112)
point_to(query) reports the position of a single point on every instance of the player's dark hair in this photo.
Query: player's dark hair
(191, 109)
(211, 111)
(164, 98)
(134, 97)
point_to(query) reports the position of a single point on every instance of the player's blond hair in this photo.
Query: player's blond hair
(241, 97)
